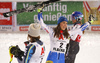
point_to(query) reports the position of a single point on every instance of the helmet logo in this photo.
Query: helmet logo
(73, 13)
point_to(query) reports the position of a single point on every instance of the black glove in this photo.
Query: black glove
(17, 52)
(91, 18)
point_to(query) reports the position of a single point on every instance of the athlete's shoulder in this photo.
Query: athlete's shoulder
(77, 26)
(31, 46)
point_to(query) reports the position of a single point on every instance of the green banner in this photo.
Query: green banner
(50, 13)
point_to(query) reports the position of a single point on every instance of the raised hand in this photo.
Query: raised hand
(91, 18)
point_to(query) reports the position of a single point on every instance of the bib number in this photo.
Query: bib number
(61, 44)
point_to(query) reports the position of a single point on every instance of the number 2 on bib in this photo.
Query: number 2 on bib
(61, 44)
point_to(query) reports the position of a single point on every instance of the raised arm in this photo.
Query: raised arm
(82, 28)
(43, 25)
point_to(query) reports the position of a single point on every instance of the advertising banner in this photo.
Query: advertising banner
(5, 7)
(5, 28)
(95, 28)
(50, 13)
(23, 28)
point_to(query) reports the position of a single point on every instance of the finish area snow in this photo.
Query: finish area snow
(89, 46)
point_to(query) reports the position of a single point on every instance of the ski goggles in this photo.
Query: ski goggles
(73, 17)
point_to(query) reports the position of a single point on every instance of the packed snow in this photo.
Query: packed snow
(89, 46)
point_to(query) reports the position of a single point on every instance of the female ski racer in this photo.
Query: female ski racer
(34, 47)
(59, 37)
(73, 47)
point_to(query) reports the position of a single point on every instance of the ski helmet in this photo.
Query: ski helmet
(77, 15)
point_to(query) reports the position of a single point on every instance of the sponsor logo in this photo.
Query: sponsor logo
(5, 7)
(23, 28)
(5, 28)
(58, 49)
(95, 28)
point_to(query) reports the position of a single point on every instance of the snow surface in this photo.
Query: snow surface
(89, 46)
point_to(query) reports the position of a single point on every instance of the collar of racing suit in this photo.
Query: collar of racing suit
(78, 22)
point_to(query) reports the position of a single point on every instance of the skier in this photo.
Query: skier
(35, 49)
(73, 46)
(59, 37)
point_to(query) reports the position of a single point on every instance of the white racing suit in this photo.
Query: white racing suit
(34, 53)
(57, 47)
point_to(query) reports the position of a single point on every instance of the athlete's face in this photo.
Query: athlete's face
(73, 19)
(63, 25)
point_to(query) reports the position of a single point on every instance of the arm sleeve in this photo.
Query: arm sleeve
(43, 25)
(30, 51)
(82, 28)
